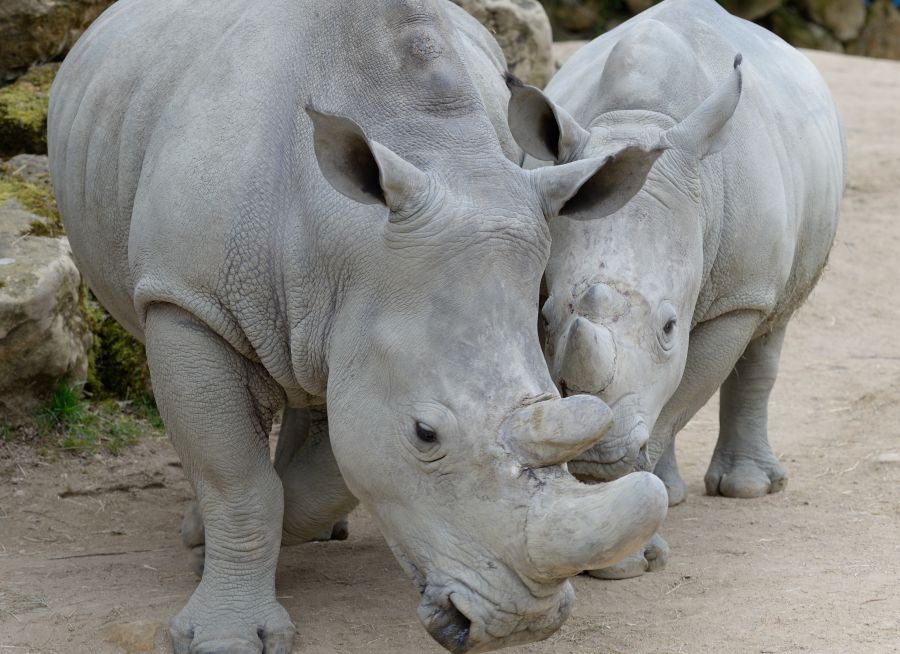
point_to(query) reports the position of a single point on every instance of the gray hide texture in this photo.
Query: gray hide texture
(305, 203)
(688, 288)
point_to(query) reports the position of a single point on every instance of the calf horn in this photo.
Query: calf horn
(572, 527)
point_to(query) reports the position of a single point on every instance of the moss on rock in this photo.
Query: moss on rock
(34, 195)
(117, 363)
(23, 112)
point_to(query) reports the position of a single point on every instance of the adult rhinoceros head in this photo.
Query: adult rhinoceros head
(443, 417)
(624, 278)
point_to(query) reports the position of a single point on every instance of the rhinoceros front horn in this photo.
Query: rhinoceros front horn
(572, 527)
(554, 431)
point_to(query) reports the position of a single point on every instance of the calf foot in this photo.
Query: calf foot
(652, 556)
(253, 627)
(740, 475)
(667, 470)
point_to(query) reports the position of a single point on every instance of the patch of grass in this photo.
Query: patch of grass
(75, 425)
(23, 112)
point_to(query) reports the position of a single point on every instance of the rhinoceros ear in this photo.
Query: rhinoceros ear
(705, 131)
(593, 188)
(364, 170)
(543, 129)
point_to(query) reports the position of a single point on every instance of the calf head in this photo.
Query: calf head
(443, 418)
(624, 277)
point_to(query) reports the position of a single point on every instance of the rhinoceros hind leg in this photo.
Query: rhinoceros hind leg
(743, 464)
(316, 500)
(667, 470)
(652, 556)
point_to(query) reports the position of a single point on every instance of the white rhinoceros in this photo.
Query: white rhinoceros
(688, 288)
(190, 144)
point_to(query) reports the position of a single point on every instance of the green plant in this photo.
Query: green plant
(75, 425)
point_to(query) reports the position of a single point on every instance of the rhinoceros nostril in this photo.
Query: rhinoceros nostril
(451, 628)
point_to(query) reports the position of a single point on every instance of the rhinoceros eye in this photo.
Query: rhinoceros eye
(425, 433)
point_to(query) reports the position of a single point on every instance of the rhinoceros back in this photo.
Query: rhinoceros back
(107, 103)
(181, 151)
(773, 195)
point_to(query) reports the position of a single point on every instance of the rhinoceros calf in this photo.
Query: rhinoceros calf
(269, 251)
(737, 149)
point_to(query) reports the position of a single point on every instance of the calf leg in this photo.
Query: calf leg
(667, 470)
(218, 408)
(743, 464)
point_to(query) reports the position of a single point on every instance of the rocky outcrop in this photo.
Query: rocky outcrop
(23, 112)
(800, 33)
(43, 336)
(870, 29)
(522, 29)
(880, 37)
(35, 31)
(843, 18)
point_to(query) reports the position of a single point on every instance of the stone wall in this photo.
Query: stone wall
(860, 27)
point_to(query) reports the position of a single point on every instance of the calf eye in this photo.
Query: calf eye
(425, 433)
(669, 327)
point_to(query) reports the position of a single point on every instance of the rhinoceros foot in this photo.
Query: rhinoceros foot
(255, 626)
(650, 557)
(739, 475)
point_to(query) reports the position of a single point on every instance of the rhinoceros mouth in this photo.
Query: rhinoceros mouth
(451, 617)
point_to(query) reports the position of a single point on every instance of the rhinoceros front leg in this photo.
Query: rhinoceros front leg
(316, 500)
(218, 408)
(743, 463)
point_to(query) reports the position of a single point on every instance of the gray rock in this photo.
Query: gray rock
(33, 168)
(43, 337)
(34, 31)
(801, 33)
(522, 29)
(880, 37)
(843, 18)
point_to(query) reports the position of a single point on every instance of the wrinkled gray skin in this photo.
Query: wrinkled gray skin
(270, 251)
(689, 287)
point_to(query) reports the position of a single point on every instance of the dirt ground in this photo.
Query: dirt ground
(90, 559)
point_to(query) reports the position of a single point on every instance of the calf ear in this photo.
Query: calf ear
(705, 131)
(593, 188)
(543, 129)
(364, 170)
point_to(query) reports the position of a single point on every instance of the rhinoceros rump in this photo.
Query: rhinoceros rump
(690, 285)
(271, 250)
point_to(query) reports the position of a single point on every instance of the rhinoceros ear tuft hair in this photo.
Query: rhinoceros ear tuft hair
(705, 131)
(511, 80)
(362, 169)
(542, 128)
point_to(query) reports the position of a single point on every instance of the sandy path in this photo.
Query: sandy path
(813, 569)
